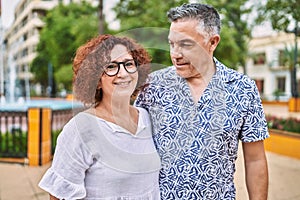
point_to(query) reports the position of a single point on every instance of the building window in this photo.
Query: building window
(24, 52)
(24, 22)
(25, 36)
(259, 59)
(282, 58)
(39, 13)
(260, 85)
(281, 84)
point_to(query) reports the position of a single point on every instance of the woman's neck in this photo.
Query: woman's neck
(118, 112)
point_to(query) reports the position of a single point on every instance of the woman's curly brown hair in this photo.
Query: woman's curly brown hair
(90, 59)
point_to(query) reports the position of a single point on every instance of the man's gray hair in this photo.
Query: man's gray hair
(207, 16)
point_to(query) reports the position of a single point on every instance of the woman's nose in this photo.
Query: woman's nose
(122, 71)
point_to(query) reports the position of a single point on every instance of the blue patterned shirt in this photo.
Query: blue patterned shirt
(198, 142)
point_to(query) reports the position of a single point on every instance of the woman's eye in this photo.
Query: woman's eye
(111, 67)
(129, 64)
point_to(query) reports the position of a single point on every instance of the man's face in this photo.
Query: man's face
(190, 53)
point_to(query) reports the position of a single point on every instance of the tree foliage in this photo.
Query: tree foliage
(281, 14)
(69, 26)
(66, 28)
(146, 22)
(236, 31)
(39, 66)
(145, 14)
(288, 56)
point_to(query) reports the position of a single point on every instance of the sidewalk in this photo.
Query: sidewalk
(20, 182)
(284, 178)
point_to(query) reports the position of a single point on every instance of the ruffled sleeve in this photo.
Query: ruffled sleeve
(65, 178)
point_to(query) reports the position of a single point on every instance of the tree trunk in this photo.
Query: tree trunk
(101, 17)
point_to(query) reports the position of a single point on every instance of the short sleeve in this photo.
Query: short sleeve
(255, 126)
(65, 178)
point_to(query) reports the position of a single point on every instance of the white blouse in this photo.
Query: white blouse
(96, 159)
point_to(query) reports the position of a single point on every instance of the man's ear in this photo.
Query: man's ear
(213, 42)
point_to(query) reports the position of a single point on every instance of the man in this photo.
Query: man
(200, 109)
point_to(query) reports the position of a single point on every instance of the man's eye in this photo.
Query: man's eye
(186, 44)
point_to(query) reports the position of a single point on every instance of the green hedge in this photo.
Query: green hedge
(14, 144)
(286, 124)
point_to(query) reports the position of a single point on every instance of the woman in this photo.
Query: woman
(106, 152)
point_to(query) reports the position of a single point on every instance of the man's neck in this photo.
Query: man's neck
(198, 84)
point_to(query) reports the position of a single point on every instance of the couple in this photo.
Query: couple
(199, 110)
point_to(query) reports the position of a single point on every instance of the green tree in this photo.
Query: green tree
(284, 15)
(146, 21)
(140, 14)
(66, 28)
(235, 31)
(39, 66)
(288, 60)
(280, 13)
(288, 56)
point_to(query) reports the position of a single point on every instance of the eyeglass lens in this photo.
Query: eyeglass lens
(113, 68)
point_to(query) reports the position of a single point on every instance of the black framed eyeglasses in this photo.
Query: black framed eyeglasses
(113, 68)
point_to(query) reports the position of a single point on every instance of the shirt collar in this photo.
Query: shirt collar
(224, 73)
(141, 125)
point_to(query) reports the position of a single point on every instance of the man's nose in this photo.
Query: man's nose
(176, 51)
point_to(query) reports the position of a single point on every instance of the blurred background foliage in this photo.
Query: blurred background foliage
(69, 26)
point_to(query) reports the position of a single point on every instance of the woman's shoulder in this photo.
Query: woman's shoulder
(142, 111)
(144, 117)
(83, 122)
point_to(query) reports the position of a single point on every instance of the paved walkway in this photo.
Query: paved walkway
(20, 182)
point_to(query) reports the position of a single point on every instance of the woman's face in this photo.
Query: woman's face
(124, 82)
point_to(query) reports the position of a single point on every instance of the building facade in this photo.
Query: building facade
(21, 40)
(269, 64)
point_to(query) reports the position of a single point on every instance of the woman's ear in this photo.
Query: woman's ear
(99, 86)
